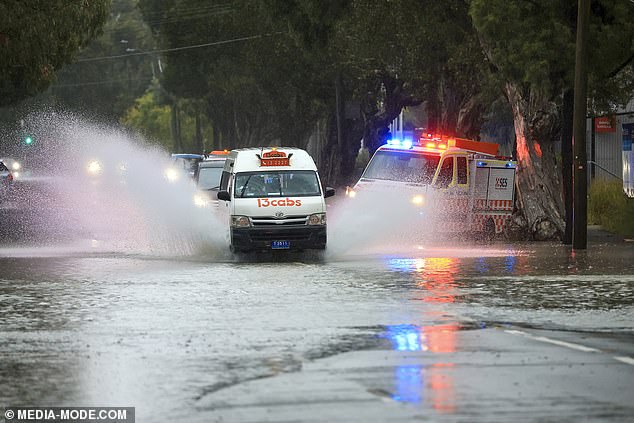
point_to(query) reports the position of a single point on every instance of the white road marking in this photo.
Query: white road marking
(622, 359)
(627, 360)
(554, 341)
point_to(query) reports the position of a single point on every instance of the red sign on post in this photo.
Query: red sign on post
(605, 124)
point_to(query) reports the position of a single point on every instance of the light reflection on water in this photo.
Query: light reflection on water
(435, 278)
(598, 284)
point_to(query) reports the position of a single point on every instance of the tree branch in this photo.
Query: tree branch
(621, 67)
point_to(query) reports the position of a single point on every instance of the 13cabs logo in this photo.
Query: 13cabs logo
(265, 202)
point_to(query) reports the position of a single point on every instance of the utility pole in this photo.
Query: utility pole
(580, 161)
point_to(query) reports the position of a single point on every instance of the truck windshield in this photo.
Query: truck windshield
(405, 166)
(295, 183)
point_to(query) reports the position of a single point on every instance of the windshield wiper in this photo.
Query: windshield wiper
(245, 186)
(213, 188)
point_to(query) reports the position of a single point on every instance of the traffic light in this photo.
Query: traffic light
(28, 140)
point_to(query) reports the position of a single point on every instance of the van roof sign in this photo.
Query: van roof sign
(274, 158)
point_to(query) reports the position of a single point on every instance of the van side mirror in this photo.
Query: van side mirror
(224, 196)
(329, 192)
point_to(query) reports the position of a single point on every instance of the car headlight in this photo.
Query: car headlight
(201, 200)
(240, 222)
(94, 167)
(317, 219)
(418, 200)
(171, 174)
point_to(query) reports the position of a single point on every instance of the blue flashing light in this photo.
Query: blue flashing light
(482, 163)
(405, 143)
(509, 165)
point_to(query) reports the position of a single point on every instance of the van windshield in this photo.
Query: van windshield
(286, 183)
(209, 178)
(403, 166)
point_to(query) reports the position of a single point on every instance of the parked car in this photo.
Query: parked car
(6, 176)
(13, 166)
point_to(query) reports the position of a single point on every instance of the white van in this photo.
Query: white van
(273, 200)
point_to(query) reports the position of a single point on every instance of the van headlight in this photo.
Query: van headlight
(317, 219)
(350, 192)
(240, 222)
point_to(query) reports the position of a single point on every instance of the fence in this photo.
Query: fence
(608, 137)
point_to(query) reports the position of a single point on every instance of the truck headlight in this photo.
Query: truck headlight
(317, 219)
(240, 222)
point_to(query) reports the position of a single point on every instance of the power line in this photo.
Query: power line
(190, 47)
(110, 81)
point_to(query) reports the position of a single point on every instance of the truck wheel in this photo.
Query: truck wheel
(489, 230)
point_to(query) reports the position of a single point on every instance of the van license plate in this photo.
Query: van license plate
(280, 245)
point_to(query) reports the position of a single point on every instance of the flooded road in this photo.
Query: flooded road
(466, 332)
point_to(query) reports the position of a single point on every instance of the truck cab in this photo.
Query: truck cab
(272, 199)
(462, 180)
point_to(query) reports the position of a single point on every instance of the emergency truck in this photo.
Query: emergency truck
(464, 183)
(272, 199)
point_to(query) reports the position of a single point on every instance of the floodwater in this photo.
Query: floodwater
(167, 335)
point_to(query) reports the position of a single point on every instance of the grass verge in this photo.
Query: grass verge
(609, 207)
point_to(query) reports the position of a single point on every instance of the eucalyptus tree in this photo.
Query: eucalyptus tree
(38, 37)
(530, 46)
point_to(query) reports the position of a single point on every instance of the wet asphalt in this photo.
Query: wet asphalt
(461, 332)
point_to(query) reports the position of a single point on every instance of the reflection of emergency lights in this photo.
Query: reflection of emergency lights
(274, 158)
(410, 379)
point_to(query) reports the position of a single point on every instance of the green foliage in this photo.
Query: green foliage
(108, 86)
(258, 87)
(609, 207)
(532, 44)
(150, 118)
(38, 37)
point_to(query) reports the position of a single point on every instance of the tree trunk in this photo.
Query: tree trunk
(538, 179)
(199, 133)
(176, 130)
(566, 161)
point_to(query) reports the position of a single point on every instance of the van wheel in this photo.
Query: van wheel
(489, 230)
